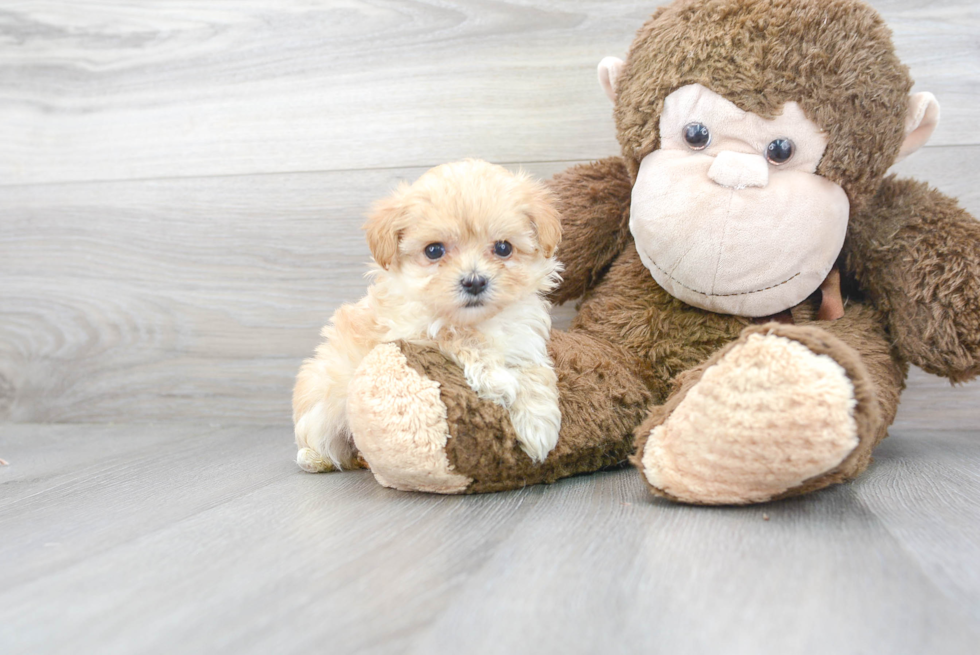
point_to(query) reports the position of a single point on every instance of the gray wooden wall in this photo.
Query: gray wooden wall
(182, 183)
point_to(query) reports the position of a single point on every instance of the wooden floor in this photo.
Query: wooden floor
(127, 539)
(181, 187)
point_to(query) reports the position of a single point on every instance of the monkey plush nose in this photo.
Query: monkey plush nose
(737, 170)
(474, 284)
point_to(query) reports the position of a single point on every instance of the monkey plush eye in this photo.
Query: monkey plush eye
(697, 136)
(503, 249)
(780, 151)
(435, 251)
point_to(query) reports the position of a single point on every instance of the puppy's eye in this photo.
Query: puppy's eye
(697, 136)
(780, 151)
(503, 249)
(435, 251)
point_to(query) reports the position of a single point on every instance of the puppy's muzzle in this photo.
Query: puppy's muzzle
(474, 285)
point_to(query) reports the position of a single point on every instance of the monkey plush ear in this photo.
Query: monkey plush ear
(383, 228)
(609, 70)
(922, 119)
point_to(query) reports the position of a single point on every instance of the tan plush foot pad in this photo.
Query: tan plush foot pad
(399, 425)
(767, 416)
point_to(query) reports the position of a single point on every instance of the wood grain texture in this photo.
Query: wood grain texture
(183, 299)
(123, 90)
(925, 488)
(194, 539)
(195, 295)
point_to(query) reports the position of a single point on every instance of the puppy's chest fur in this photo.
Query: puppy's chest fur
(504, 358)
(496, 353)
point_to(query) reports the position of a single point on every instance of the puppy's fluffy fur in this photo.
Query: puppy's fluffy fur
(470, 214)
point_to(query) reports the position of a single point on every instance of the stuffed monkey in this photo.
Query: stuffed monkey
(754, 285)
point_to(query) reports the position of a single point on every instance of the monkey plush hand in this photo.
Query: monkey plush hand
(756, 138)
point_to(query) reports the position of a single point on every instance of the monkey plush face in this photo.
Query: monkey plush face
(729, 214)
(751, 128)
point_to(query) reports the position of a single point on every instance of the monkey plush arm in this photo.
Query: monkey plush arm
(594, 202)
(917, 254)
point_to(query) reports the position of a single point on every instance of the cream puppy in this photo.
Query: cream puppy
(463, 258)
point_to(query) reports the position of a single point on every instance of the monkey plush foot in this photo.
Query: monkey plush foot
(770, 415)
(399, 425)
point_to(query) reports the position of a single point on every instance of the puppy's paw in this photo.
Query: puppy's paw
(323, 439)
(537, 430)
(311, 462)
(497, 384)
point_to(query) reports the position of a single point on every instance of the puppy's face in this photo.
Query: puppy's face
(468, 239)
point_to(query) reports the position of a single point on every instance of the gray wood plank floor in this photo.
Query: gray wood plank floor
(125, 539)
(181, 186)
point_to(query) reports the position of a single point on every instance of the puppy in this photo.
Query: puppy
(463, 258)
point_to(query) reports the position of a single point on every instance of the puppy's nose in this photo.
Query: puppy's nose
(474, 284)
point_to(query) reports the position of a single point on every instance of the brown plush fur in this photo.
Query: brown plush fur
(857, 343)
(665, 335)
(910, 266)
(601, 399)
(594, 203)
(916, 254)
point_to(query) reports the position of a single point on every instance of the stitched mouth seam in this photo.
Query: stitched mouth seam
(723, 295)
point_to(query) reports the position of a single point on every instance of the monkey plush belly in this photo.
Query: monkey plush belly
(667, 335)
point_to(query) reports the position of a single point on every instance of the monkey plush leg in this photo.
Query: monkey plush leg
(783, 410)
(421, 427)
(399, 424)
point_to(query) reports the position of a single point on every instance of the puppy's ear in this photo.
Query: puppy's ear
(383, 228)
(544, 217)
